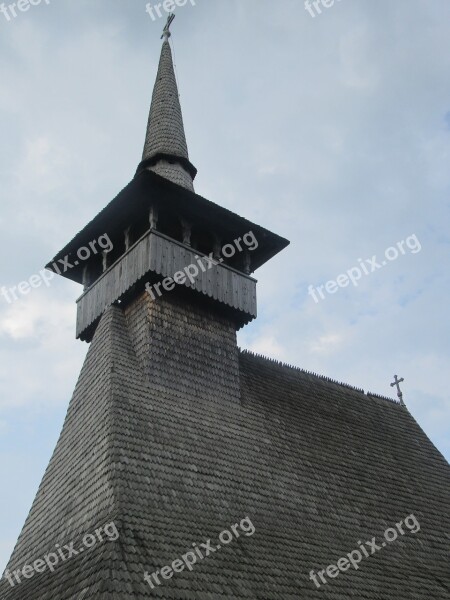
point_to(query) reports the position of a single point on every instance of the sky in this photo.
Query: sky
(330, 129)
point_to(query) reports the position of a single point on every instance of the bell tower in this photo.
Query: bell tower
(160, 228)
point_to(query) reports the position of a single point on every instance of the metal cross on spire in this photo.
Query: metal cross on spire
(166, 33)
(397, 383)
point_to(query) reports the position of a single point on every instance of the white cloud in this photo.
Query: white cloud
(327, 344)
(37, 337)
(267, 346)
(38, 314)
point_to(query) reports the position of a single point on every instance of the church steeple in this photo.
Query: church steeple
(158, 227)
(165, 148)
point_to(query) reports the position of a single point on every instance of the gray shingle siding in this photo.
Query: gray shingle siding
(165, 129)
(176, 435)
(174, 173)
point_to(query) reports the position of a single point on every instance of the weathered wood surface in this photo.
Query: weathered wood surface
(156, 253)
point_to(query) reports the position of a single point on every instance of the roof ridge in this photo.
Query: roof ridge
(381, 397)
(303, 371)
(322, 378)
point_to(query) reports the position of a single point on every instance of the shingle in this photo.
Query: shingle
(176, 441)
(165, 130)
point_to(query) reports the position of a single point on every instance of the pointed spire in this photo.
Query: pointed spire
(165, 149)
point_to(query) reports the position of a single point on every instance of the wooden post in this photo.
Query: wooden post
(127, 239)
(187, 232)
(247, 262)
(153, 217)
(85, 277)
(217, 249)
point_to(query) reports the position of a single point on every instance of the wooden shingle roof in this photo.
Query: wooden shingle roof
(165, 148)
(314, 464)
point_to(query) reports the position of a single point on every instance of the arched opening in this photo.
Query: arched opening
(170, 226)
(137, 230)
(236, 261)
(94, 269)
(117, 251)
(202, 241)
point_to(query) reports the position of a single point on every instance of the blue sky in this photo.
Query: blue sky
(332, 131)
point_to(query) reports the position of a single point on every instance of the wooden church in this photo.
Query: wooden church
(174, 435)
